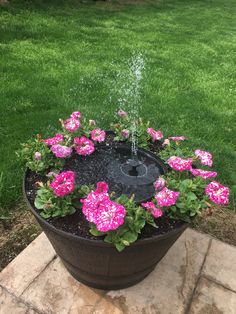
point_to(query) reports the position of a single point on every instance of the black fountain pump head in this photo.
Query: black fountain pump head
(124, 173)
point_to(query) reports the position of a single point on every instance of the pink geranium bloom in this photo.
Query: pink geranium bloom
(159, 184)
(63, 184)
(75, 115)
(203, 173)
(102, 187)
(37, 156)
(166, 197)
(109, 216)
(177, 138)
(98, 135)
(125, 133)
(155, 135)
(91, 204)
(180, 164)
(121, 113)
(83, 146)
(150, 206)
(205, 157)
(217, 193)
(58, 138)
(61, 151)
(71, 125)
(100, 210)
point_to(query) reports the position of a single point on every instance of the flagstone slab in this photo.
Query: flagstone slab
(211, 298)
(27, 265)
(168, 288)
(220, 265)
(56, 291)
(11, 305)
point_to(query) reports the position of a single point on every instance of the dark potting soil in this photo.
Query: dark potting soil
(76, 223)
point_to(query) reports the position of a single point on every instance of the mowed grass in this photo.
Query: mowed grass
(60, 56)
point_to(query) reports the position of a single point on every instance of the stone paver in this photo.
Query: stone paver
(28, 265)
(56, 291)
(211, 298)
(168, 288)
(220, 264)
(39, 283)
(11, 305)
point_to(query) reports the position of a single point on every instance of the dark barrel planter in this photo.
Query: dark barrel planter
(98, 264)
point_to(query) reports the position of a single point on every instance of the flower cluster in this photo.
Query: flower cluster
(218, 193)
(150, 206)
(58, 138)
(155, 135)
(63, 184)
(166, 197)
(203, 173)
(73, 123)
(125, 133)
(83, 146)
(98, 135)
(205, 157)
(177, 138)
(100, 210)
(122, 114)
(159, 184)
(61, 151)
(180, 164)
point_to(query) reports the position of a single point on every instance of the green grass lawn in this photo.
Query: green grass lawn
(59, 56)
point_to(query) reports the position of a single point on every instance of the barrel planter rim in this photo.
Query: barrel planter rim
(97, 242)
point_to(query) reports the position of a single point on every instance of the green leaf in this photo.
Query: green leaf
(191, 196)
(38, 203)
(120, 247)
(130, 237)
(95, 232)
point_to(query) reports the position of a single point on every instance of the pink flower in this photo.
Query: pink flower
(150, 206)
(61, 151)
(100, 210)
(71, 125)
(91, 204)
(75, 115)
(109, 216)
(63, 184)
(155, 135)
(98, 135)
(180, 164)
(177, 138)
(205, 157)
(159, 184)
(166, 197)
(125, 133)
(203, 173)
(58, 138)
(121, 113)
(92, 122)
(217, 193)
(102, 187)
(83, 146)
(37, 156)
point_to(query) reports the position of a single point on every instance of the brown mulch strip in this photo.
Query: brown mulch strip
(221, 224)
(16, 233)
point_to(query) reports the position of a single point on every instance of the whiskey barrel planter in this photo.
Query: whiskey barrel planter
(98, 264)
